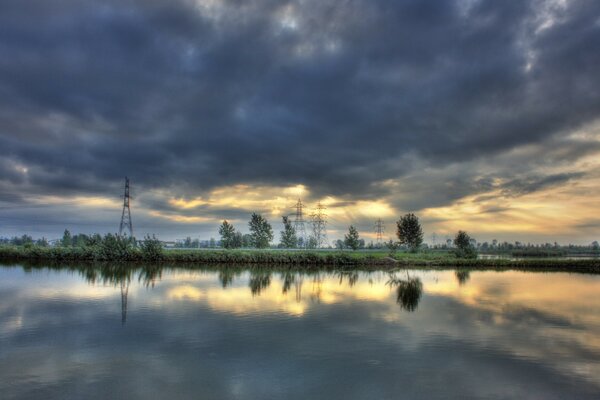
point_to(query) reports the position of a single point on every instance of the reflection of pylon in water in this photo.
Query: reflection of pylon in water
(299, 222)
(124, 292)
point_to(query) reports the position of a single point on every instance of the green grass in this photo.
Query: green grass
(312, 258)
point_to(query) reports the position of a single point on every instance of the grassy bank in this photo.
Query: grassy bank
(315, 258)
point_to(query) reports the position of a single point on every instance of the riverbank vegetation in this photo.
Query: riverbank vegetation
(407, 250)
(115, 251)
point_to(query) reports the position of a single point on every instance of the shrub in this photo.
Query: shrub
(115, 247)
(152, 248)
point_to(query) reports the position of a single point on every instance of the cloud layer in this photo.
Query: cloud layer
(416, 103)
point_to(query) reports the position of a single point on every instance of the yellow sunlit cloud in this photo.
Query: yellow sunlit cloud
(81, 201)
(185, 204)
(555, 210)
(183, 218)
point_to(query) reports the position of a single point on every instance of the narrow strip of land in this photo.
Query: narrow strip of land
(315, 258)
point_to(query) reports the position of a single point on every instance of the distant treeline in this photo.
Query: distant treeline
(409, 238)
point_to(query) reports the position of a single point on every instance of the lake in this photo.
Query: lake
(417, 334)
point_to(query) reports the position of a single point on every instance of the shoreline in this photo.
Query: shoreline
(297, 259)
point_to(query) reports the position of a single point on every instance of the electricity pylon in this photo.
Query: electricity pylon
(319, 223)
(299, 223)
(379, 230)
(126, 223)
(433, 239)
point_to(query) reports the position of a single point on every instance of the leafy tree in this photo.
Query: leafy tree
(24, 240)
(288, 234)
(227, 232)
(246, 240)
(339, 244)
(212, 243)
(67, 240)
(42, 242)
(351, 239)
(152, 248)
(464, 246)
(80, 240)
(311, 243)
(261, 232)
(409, 231)
(237, 240)
(94, 240)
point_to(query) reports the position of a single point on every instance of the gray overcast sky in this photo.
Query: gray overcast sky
(474, 114)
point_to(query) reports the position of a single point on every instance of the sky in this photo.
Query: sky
(478, 115)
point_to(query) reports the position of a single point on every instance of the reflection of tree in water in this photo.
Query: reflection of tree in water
(292, 279)
(352, 277)
(317, 287)
(258, 282)
(226, 276)
(288, 279)
(148, 275)
(462, 276)
(408, 291)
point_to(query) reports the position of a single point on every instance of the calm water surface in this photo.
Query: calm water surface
(174, 334)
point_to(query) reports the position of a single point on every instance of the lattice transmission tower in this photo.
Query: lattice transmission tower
(126, 224)
(299, 223)
(319, 225)
(379, 231)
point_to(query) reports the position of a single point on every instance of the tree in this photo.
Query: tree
(288, 234)
(246, 240)
(67, 240)
(237, 240)
(152, 248)
(261, 232)
(464, 246)
(351, 239)
(409, 231)
(227, 232)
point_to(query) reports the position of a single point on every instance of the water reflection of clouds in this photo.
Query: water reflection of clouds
(494, 323)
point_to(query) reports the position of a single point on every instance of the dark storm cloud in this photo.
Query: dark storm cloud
(530, 184)
(191, 95)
